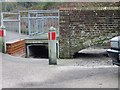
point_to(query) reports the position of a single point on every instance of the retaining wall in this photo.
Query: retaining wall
(83, 28)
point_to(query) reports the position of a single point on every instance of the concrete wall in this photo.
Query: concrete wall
(82, 28)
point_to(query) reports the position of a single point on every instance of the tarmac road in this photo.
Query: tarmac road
(36, 73)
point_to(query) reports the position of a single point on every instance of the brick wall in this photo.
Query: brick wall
(15, 47)
(82, 28)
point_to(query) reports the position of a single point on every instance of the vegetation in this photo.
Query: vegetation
(15, 6)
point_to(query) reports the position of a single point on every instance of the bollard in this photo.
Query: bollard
(2, 39)
(52, 46)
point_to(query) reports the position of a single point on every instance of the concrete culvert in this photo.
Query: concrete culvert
(38, 51)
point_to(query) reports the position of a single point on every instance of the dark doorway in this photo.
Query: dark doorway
(38, 51)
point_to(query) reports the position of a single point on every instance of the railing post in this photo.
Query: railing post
(2, 19)
(19, 23)
(2, 39)
(36, 22)
(29, 32)
(43, 24)
(52, 46)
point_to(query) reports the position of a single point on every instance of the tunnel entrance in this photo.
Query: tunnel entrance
(91, 53)
(88, 55)
(37, 51)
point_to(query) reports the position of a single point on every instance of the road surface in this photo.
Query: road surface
(36, 73)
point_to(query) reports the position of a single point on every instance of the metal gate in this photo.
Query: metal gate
(40, 21)
(12, 23)
(34, 23)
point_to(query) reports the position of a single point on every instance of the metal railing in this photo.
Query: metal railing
(11, 21)
(39, 21)
(31, 22)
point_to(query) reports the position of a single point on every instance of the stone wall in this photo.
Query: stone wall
(82, 28)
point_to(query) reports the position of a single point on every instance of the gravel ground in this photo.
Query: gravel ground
(92, 56)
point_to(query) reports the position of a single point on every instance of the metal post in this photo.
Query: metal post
(36, 23)
(58, 33)
(58, 54)
(2, 38)
(52, 46)
(58, 23)
(29, 23)
(42, 24)
(1, 19)
(19, 24)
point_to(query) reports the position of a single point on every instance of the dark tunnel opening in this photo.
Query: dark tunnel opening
(38, 51)
(90, 55)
